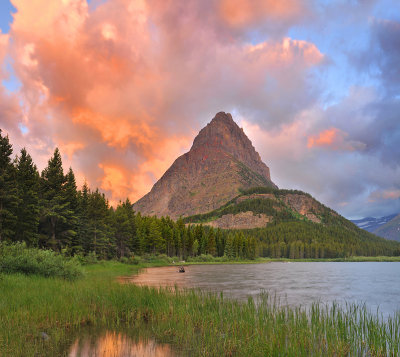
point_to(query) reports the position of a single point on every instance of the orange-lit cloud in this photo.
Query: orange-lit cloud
(382, 195)
(334, 139)
(122, 88)
(325, 138)
(242, 13)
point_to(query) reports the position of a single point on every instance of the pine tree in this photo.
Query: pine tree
(99, 230)
(83, 236)
(133, 241)
(8, 191)
(70, 226)
(123, 228)
(167, 234)
(141, 233)
(156, 242)
(211, 245)
(229, 249)
(27, 177)
(196, 246)
(55, 208)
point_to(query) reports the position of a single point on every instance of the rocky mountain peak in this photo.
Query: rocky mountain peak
(221, 161)
(223, 134)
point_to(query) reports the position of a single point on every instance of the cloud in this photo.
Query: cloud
(334, 170)
(122, 88)
(383, 54)
(382, 195)
(242, 14)
(334, 139)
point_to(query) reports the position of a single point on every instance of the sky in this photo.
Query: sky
(122, 87)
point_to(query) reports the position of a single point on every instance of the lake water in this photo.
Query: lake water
(116, 344)
(297, 284)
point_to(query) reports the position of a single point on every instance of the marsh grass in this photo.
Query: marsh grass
(195, 322)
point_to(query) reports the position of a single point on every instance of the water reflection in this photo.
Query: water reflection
(115, 344)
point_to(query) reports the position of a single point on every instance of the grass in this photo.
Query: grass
(197, 323)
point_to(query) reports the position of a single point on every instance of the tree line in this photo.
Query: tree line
(47, 210)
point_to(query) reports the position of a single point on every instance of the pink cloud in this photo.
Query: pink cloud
(382, 195)
(122, 89)
(334, 139)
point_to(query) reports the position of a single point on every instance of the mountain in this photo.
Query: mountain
(390, 230)
(292, 224)
(221, 161)
(371, 224)
(222, 183)
(387, 227)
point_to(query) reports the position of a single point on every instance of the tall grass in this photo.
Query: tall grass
(196, 323)
(18, 258)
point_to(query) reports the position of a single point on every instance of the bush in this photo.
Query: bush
(158, 258)
(202, 258)
(90, 258)
(18, 258)
(129, 260)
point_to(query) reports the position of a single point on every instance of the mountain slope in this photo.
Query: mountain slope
(258, 206)
(386, 227)
(221, 161)
(291, 223)
(371, 224)
(390, 230)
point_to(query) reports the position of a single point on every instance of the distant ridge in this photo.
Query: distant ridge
(221, 161)
(387, 227)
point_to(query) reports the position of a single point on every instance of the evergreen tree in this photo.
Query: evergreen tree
(8, 191)
(27, 178)
(229, 249)
(196, 246)
(98, 219)
(141, 233)
(70, 226)
(83, 236)
(167, 234)
(211, 245)
(123, 228)
(55, 208)
(156, 242)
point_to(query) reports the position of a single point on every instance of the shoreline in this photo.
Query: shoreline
(355, 259)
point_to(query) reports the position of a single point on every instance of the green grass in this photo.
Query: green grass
(195, 323)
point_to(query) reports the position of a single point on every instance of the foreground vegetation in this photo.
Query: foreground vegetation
(18, 258)
(195, 323)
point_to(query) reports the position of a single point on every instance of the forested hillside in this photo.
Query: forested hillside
(47, 210)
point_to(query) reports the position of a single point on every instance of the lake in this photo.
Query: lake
(296, 283)
(116, 344)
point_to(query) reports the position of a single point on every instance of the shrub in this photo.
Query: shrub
(129, 260)
(90, 258)
(18, 258)
(202, 258)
